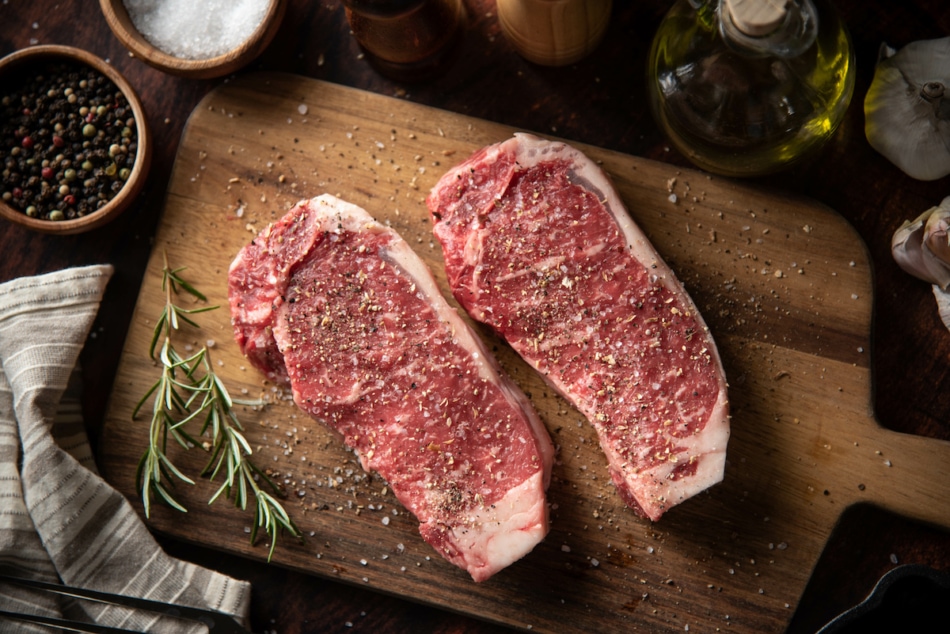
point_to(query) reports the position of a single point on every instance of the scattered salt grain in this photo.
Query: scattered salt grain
(196, 29)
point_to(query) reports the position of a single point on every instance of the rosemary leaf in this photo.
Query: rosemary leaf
(175, 281)
(169, 499)
(157, 333)
(168, 464)
(138, 406)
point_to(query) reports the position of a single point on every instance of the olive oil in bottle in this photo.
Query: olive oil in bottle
(749, 87)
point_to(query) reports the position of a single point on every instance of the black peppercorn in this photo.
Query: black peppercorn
(53, 119)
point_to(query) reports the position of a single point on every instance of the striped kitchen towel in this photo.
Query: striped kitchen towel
(58, 519)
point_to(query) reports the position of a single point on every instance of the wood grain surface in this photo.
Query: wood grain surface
(783, 282)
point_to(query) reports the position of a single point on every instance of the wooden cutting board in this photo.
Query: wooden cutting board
(784, 284)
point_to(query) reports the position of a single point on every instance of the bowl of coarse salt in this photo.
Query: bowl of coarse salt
(195, 38)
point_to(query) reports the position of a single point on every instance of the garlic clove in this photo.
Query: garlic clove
(943, 304)
(907, 108)
(936, 236)
(914, 256)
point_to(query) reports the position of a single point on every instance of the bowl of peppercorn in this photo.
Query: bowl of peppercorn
(199, 39)
(74, 143)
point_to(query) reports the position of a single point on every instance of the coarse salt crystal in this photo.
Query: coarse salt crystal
(196, 29)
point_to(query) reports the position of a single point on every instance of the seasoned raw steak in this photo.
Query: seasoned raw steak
(538, 245)
(342, 307)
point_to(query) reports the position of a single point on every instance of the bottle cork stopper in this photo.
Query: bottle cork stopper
(757, 17)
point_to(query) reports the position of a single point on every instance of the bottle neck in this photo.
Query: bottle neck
(791, 37)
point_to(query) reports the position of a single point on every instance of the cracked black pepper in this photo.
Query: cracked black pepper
(67, 141)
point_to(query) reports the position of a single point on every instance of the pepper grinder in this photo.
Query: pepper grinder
(554, 32)
(750, 87)
(407, 40)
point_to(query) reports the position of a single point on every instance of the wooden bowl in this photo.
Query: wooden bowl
(117, 16)
(21, 61)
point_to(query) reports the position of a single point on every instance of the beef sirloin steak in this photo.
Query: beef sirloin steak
(342, 308)
(538, 245)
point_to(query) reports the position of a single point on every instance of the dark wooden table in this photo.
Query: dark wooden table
(599, 101)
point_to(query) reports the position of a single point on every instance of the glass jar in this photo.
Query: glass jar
(407, 40)
(745, 93)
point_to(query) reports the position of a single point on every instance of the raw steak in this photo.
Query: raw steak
(341, 307)
(538, 245)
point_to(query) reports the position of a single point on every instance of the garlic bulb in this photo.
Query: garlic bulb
(921, 246)
(907, 108)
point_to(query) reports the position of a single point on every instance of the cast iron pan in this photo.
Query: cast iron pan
(909, 598)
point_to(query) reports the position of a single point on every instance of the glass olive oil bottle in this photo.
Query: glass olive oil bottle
(749, 87)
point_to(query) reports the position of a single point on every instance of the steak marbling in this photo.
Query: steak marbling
(539, 246)
(340, 307)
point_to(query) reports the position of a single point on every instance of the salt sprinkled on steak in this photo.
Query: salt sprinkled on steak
(341, 307)
(538, 246)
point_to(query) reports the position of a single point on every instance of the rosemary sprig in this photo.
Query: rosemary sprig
(169, 413)
(188, 389)
(172, 314)
(232, 455)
